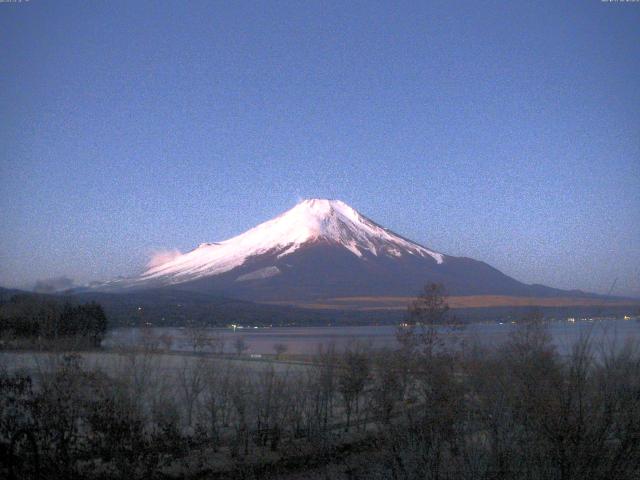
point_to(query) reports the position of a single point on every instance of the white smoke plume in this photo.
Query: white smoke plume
(159, 257)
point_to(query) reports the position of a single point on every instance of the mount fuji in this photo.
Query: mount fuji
(323, 249)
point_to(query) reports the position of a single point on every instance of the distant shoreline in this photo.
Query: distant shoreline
(457, 302)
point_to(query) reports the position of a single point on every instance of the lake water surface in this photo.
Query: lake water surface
(308, 340)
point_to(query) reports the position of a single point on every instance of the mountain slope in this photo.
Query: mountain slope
(319, 249)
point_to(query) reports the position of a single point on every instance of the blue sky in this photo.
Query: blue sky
(504, 131)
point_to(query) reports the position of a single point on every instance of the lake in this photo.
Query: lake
(308, 340)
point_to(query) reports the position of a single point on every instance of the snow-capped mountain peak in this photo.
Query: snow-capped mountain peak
(321, 251)
(310, 221)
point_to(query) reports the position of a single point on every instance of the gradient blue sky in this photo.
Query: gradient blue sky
(504, 131)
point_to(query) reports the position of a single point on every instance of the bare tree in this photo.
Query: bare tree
(217, 401)
(387, 387)
(271, 392)
(166, 340)
(280, 349)
(240, 346)
(242, 396)
(191, 382)
(352, 378)
(325, 383)
(149, 340)
(217, 343)
(198, 337)
(426, 315)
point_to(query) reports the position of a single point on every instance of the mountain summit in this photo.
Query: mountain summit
(318, 249)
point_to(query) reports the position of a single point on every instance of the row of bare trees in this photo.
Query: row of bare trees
(199, 339)
(518, 411)
(435, 408)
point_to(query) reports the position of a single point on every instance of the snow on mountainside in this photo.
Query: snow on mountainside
(310, 221)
